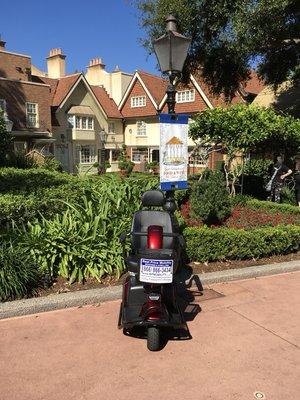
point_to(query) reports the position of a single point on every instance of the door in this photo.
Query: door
(62, 155)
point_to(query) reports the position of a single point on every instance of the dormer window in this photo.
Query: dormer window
(138, 101)
(185, 96)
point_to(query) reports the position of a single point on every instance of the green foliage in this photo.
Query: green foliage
(5, 141)
(20, 160)
(258, 167)
(207, 244)
(209, 198)
(30, 180)
(227, 36)
(51, 164)
(256, 175)
(19, 276)
(244, 128)
(124, 162)
(83, 241)
(288, 196)
(255, 204)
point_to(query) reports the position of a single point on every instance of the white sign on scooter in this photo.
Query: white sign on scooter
(173, 151)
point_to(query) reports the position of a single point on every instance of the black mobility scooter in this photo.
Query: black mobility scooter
(149, 302)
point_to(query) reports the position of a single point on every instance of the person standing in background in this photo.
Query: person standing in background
(279, 172)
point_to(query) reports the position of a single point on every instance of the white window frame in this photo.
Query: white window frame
(83, 159)
(138, 101)
(71, 121)
(111, 127)
(141, 128)
(3, 101)
(30, 113)
(88, 119)
(185, 96)
(137, 151)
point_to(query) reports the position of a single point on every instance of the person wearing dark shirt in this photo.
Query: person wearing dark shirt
(278, 174)
(297, 181)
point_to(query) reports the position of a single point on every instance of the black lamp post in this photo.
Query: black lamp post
(171, 51)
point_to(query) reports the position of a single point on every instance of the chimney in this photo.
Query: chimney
(56, 64)
(96, 62)
(96, 74)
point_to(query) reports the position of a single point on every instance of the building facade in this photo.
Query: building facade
(67, 115)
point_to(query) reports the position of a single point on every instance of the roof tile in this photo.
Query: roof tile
(107, 103)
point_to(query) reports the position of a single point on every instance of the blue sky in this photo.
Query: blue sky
(83, 29)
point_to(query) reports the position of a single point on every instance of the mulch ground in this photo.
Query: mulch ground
(61, 285)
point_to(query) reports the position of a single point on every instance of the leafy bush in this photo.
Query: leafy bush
(210, 200)
(207, 244)
(30, 180)
(23, 207)
(288, 196)
(19, 276)
(51, 164)
(272, 207)
(83, 242)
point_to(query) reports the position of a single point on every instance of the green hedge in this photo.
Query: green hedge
(30, 180)
(206, 244)
(255, 204)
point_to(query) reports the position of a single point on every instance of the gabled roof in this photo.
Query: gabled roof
(156, 85)
(106, 102)
(153, 86)
(59, 88)
(155, 89)
(63, 88)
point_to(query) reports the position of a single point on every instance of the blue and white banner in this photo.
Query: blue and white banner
(173, 151)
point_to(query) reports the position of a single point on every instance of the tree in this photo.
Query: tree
(228, 37)
(5, 141)
(241, 129)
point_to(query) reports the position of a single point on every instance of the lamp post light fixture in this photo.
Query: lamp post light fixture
(171, 51)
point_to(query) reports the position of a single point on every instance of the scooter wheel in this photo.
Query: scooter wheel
(153, 338)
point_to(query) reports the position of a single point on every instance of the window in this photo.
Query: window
(20, 147)
(111, 127)
(85, 154)
(85, 123)
(138, 101)
(185, 96)
(141, 128)
(91, 123)
(139, 154)
(2, 106)
(71, 121)
(32, 119)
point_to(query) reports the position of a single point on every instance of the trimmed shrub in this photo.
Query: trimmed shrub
(207, 244)
(210, 200)
(272, 207)
(31, 180)
(19, 275)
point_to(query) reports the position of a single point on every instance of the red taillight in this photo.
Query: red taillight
(155, 237)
